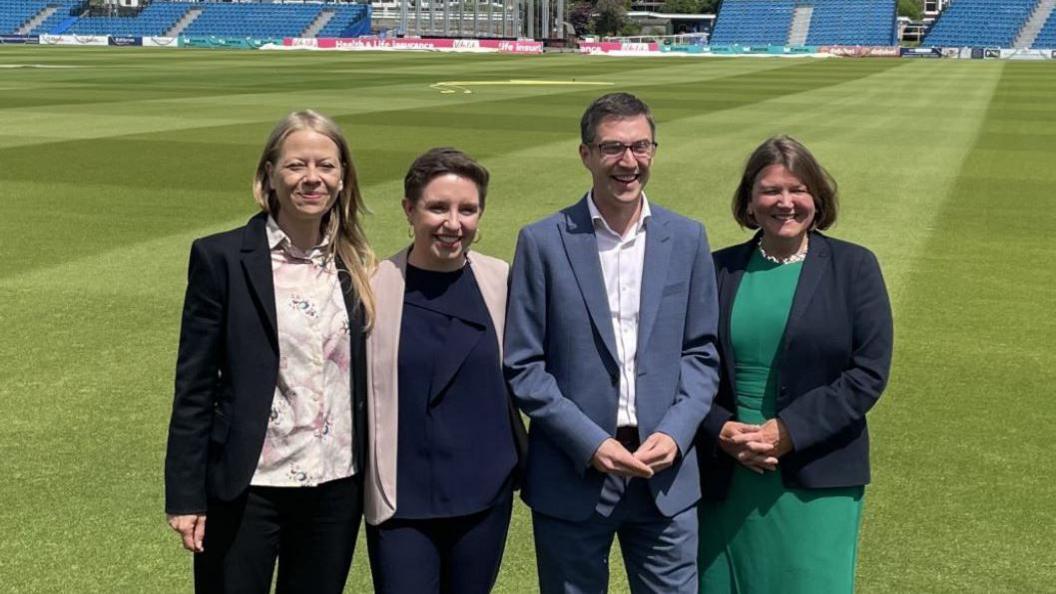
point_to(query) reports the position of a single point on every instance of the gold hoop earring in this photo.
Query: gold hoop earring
(410, 231)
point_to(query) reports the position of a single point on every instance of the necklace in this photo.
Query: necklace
(796, 257)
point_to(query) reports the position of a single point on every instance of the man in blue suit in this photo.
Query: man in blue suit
(610, 350)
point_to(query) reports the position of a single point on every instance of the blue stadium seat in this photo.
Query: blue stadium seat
(980, 23)
(853, 22)
(833, 22)
(219, 19)
(1047, 36)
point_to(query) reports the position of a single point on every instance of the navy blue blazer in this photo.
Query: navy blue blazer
(227, 368)
(561, 362)
(832, 365)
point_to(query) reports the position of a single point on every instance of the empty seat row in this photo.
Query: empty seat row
(831, 22)
(979, 23)
(220, 19)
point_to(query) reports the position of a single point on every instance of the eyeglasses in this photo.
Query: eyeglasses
(640, 148)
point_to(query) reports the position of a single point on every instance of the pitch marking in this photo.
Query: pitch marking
(36, 66)
(453, 86)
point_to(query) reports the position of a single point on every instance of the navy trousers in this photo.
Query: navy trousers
(659, 553)
(310, 530)
(459, 555)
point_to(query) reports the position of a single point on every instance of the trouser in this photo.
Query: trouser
(459, 555)
(659, 552)
(311, 531)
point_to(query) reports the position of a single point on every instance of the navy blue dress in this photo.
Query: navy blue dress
(456, 452)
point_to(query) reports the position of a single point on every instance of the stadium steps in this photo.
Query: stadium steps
(37, 19)
(184, 22)
(1033, 26)
(313, 29)
(797, 32)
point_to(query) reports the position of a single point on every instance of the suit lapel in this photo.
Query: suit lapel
(493, 291)
(814, 269)
(729, 281)
(654, 274)
(355, 314)
(256, 264)
(582, 248)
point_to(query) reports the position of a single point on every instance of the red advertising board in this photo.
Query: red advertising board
(373, 43)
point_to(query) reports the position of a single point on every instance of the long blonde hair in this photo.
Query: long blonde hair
(341, 224)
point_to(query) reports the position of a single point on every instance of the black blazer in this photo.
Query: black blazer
(227, 368)
(832, 366)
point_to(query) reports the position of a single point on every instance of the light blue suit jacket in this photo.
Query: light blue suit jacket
(560, 355)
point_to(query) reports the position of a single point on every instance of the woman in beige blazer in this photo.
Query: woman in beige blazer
(445, 441)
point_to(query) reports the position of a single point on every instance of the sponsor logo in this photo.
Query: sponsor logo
(466, 44)
(125, 41)
(921, 52)
(20, 39)
(637, 47)
(160, 41)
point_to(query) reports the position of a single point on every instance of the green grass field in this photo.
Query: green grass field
(113, 160)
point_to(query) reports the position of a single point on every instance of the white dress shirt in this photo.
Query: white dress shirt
(622, 260)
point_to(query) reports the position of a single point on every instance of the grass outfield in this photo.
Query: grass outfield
(113, 160)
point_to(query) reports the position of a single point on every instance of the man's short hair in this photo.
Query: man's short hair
(613, 105)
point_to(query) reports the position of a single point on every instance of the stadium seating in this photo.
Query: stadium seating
(350, 20)
(832, 22)
(14, 13)
(221, 19)
(852, 22)
(1047, 36)
(753, 22)
(156, 19)
(980, 23)
(253, 20)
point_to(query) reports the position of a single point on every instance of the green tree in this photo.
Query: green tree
(611, 17)
(579, 15)
(913, 9)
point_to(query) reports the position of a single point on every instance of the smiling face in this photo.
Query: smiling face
(781, 205)
(306, 177)
(444, 220)
(618, 179)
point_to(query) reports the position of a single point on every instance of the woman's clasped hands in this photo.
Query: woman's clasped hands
(756, 447)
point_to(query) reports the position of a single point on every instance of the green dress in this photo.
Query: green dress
(766, 537)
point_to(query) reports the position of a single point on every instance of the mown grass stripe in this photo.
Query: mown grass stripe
(961, 456)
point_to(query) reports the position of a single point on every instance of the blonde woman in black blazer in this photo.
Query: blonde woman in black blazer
(805, 337)
(267, 437)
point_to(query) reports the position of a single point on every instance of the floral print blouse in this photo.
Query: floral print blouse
(309, 435)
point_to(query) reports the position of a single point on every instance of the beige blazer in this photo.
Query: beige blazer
(383, 347)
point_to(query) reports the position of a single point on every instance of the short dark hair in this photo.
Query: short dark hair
(440, 161)
(787, 151)
(613, 105)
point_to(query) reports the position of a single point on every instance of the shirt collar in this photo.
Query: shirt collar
(595, 216)
(279, 241)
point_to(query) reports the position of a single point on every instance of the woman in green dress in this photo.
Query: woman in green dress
(805, 336)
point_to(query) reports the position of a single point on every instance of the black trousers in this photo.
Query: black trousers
(459, 555)
(310, 530)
